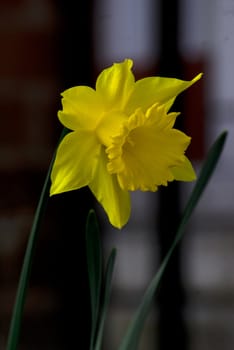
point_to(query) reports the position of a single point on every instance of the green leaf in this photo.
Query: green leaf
(13, 336)
(99, 290)
(94, 261)
(106, 297)
(131, 339)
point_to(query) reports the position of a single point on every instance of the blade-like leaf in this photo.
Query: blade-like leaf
(106, 298)
(131, 339)
(94, 261)
(13, 336)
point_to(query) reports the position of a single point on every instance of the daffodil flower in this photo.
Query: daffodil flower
(122, 139)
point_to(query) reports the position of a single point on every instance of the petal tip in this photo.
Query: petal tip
(197, 77)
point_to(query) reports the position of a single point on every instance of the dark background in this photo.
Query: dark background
(46, 47)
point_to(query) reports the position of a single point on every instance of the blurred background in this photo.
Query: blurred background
(48, 46)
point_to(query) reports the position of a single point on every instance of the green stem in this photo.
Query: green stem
(13, 336)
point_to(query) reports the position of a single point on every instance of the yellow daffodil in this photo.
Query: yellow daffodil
(122, 139)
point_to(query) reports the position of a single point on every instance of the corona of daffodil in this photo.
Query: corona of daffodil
(122, 139)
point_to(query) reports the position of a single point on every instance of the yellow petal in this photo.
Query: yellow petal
(82, 108)
(114, 200)
(110, 126)
(184, 172)
(75, 162)
(115, 83)
(151, 90)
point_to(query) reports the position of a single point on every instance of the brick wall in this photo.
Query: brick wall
(29, 99)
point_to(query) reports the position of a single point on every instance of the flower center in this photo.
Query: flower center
(146, 149)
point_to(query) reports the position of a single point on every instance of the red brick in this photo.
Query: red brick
(195, 111)
(9, 4)
(27, 55)
(12, 123)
